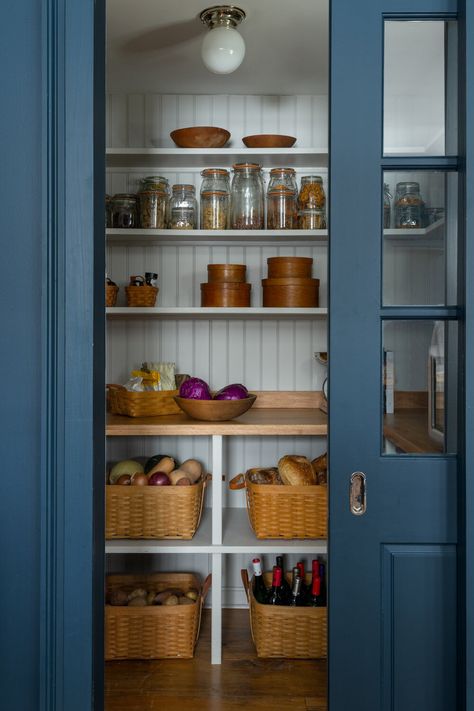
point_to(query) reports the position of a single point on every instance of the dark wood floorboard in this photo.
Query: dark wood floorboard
(242, 681)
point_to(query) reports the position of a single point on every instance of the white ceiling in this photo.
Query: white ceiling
(154, 46)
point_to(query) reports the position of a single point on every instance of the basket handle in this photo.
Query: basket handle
(238, 482)
(246, 582)
(206, 586)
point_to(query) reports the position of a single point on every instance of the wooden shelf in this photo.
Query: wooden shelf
(171, 157)
(407, 429)
(431, 237)
(195, 312)
(206, 238)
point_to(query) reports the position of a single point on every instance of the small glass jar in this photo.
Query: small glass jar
(247, 197)
(124, 210)
(283, 178)
(183, 208)
(282, 213)
(153, 207)
(312, 219)
(311, 192)
(408, 206)
(387, 196)
(215, 199)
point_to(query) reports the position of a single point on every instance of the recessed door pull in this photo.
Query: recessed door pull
(358, 494)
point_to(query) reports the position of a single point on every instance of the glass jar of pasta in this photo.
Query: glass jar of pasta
(215, 199)
(282, 213)
(311, 193)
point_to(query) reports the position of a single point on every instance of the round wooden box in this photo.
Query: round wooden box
(290, 292)
(235, 294)
(226, 273)
(280, 267)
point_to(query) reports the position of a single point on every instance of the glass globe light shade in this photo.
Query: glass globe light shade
(223, 50)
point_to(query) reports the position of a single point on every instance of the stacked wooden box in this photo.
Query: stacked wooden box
(226, 286)
(290, 283)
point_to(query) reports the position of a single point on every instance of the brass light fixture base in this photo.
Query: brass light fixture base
(222, 15)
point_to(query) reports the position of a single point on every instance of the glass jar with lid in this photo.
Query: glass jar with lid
(282, 212)
(155, 182)
(215, 199)
(387, 196)
(408, 205)
(247, 199)
(283, 178)
(312, 219)
(312, 193)
(153, 206)
(124, 210)
(183, 208)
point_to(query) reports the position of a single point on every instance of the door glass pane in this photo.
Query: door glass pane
(420, 85)
(420, 238)
(419, 386)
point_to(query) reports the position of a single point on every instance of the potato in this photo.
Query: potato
(166, 465)
(150, 598)
(194, 469)
(118, 597)
(192, 594)
(161, 597)
(185, 601)
(183, 482)
(172, 600)
(137, 602)
(178, 475)
(138, 592)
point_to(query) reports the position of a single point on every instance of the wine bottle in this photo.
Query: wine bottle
(296, 599)
(259, 589)
(275, 596)
(304, 587)
(323, 593)
(285, 586)
(315, 597)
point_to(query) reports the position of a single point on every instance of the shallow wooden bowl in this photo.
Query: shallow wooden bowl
(215, 410)
(269, 140)
(200, 137)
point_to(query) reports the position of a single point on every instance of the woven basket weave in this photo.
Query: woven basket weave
(284, 631)
(158, 631)
(141, 295)
(279, 511)
(147, 404)
(172, 512)
(111, 292)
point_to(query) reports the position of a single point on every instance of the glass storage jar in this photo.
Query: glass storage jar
(387, 196)
(311, 192)
(408, 205)
(215, 199)
(312, 219)
(282, 213)
(183, 208)
(124, 210)
(155, 182)
(247, 200)
(153, 207)
(283, 178)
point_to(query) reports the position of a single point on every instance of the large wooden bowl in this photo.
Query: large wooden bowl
(269, 140)
(200, 137)
(215, 410)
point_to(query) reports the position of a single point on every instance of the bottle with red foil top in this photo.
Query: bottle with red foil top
(315, 597)
(275, 596)
(259, 589)
(318, 593)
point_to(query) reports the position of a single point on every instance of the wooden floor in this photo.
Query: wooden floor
(242, 681)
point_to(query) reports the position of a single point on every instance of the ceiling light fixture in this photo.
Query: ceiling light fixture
(223, 49)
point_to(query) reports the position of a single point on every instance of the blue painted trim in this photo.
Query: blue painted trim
(422, 163)
(411, 313)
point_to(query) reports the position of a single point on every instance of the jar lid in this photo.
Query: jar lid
(211, 193)
(409, 186)
(154, 179)
(312, 178)
(246, 166)
(215, 171)
(181, 187)
(279, 171)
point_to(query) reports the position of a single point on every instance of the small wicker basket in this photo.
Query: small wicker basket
(284, 631)
(121, 401)
(286, 512)
(111, 291)
(164, 512)
(158, 631)
(141, 295)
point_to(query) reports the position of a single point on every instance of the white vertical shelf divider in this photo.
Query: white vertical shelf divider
(217, 470)
(216, 613)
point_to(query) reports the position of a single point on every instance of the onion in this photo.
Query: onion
(159, 479)
(139, 479)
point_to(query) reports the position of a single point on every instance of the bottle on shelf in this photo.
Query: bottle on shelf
(259, 589)
(275, 596)
(286, 588)
(317, 597)
(304, 587)
(322, 576)
(314, 599)
(296, 599)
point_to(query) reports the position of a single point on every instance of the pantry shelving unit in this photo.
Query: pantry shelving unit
(209, 312)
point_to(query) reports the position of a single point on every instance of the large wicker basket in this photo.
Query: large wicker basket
(146, 404)
(172, 512)
(141, 295)
(158, 631)
(284, 631)
(286, 512)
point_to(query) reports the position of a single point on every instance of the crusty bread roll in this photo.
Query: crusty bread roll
(259, 475)
(320, 464)
(296, 471)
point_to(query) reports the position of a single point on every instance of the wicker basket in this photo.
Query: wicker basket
(147, 404)
(111, 292)
(172, 512)
(141, 295)
(284, 631)
(286, 512)
(158, 631)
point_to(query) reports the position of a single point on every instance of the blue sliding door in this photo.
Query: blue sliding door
(400, 333)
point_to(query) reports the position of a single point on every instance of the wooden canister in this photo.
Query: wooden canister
(226, 273)
(290, 292)
(300, 267)
(223, 294)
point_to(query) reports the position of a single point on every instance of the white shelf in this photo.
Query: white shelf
(195, 312)
(206, 238)
(202, 157)
(238, 537)
(431, 237)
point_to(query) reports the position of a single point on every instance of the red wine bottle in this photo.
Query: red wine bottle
(296, 599)
(285, 586)
(275, 596)
(304, 587)
(260, 591)
(315, 597)
(323, 593)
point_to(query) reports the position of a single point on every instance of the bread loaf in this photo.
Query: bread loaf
(296, 471)
(259, 475)
(320, 468)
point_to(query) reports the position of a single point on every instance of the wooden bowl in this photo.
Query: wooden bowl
(269, 140)
(200, 137)
(215, 410)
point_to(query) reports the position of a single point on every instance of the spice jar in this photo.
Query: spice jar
(215, 199)
(282, 212)
(183, 208)
(312, 219)
(387, 196)
(124, 210)
(311, 192)
(247, 200)
(283, 178)
(408, 206)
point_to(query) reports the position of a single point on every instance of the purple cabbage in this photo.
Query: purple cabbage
(195, 389)
(235, 391)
